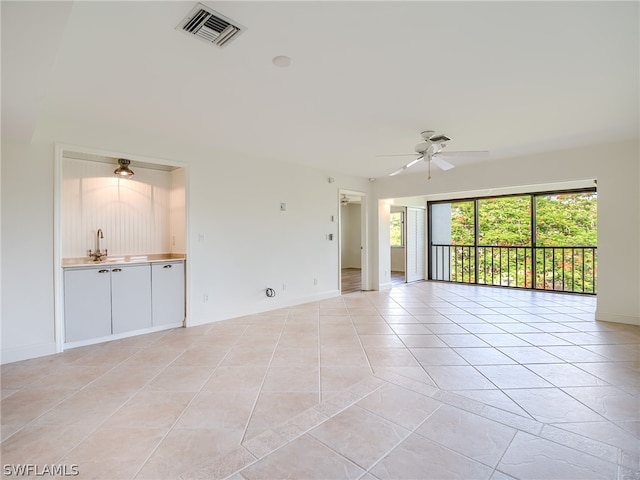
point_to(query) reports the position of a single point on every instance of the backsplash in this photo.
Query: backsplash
(134, 213)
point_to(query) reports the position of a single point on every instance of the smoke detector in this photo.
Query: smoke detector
(210, 26)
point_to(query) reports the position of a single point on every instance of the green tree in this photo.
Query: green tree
(505, 252)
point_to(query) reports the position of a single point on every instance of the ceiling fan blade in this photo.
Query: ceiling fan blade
(398, 155)
(408, 165)
(441, 163)
(467, 154)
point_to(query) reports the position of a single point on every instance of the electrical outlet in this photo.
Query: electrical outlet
(284, 287)
(283, 206)
(205, 298)
(315, 281)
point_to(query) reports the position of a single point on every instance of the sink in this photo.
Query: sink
(154, 257)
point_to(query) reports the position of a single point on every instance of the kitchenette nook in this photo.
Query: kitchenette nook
(122, 245)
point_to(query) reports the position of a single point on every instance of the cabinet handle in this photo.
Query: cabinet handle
(167, 266)
(103, 271)
(116, 270)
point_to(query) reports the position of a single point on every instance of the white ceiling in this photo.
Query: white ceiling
(513, 78)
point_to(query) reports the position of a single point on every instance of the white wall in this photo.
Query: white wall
(178, 212)
(351, 231)
(617, 170)
(398, 259)
(233, 205)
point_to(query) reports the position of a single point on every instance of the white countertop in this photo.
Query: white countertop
(121, 259)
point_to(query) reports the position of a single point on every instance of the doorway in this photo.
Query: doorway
(352, 242)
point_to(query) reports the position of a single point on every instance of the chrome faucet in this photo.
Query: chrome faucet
(98, 256)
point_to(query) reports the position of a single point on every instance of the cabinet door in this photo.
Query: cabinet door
(130, 298)
(87, 303)
(168, 293)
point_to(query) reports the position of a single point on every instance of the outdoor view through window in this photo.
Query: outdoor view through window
(543, 241)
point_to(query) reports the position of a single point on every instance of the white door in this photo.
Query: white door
(415, 243)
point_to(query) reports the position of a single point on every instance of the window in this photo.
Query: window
(397, 229)
(544, 241)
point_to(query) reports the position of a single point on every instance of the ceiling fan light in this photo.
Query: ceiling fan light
(123, 170)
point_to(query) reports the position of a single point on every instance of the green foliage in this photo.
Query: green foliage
(568, 219)
(505, 254)
(396, 229)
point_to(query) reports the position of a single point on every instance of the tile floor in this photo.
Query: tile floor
(423, 381)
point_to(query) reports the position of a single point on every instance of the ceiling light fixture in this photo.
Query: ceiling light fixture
(123, 170)
(281, 61)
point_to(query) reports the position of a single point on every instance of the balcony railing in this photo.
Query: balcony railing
(561, 268)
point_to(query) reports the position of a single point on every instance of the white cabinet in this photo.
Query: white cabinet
(167, 281)
(105, 300)
(87, 303)
(130, 298)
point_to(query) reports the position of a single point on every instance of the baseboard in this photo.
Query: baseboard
(384, 286)
(274, 304)
(17, 354)
(617, 318)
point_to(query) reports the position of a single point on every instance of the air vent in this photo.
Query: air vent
(210, 26)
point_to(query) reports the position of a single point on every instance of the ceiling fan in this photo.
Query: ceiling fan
(431, 151)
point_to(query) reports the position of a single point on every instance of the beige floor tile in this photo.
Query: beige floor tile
(304, 458)
(458, 377)
(275, 408)
(437, 356)
(377, 340)
(89, 407)
(236, 379)
(399, 405)
(530, 355)
(565, 375)
(574, 354)
(29, 403)
(241, 356)
(154, 356)
(530, 457)
(180, 378)
(422, 341)
(359, 435)
(445, 328)
(616, 373)
(610, 402)
(16, 375)
(495, 398)
(125, 378)
(606, 432)
(417, 457)
(182, 449)
(484, 356)
(208, 388)
(452, 427)
(151, 409)
(293, 338)
(218, 409)
(552, 405)
(390, 357)
(503, 340)
(342, 356)
(43, 444)
(409, 329)
(512, 376)
(462, 340)
(114, 452)
(292, 379)
(340, 378)
(201, 355)
(295, 356)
